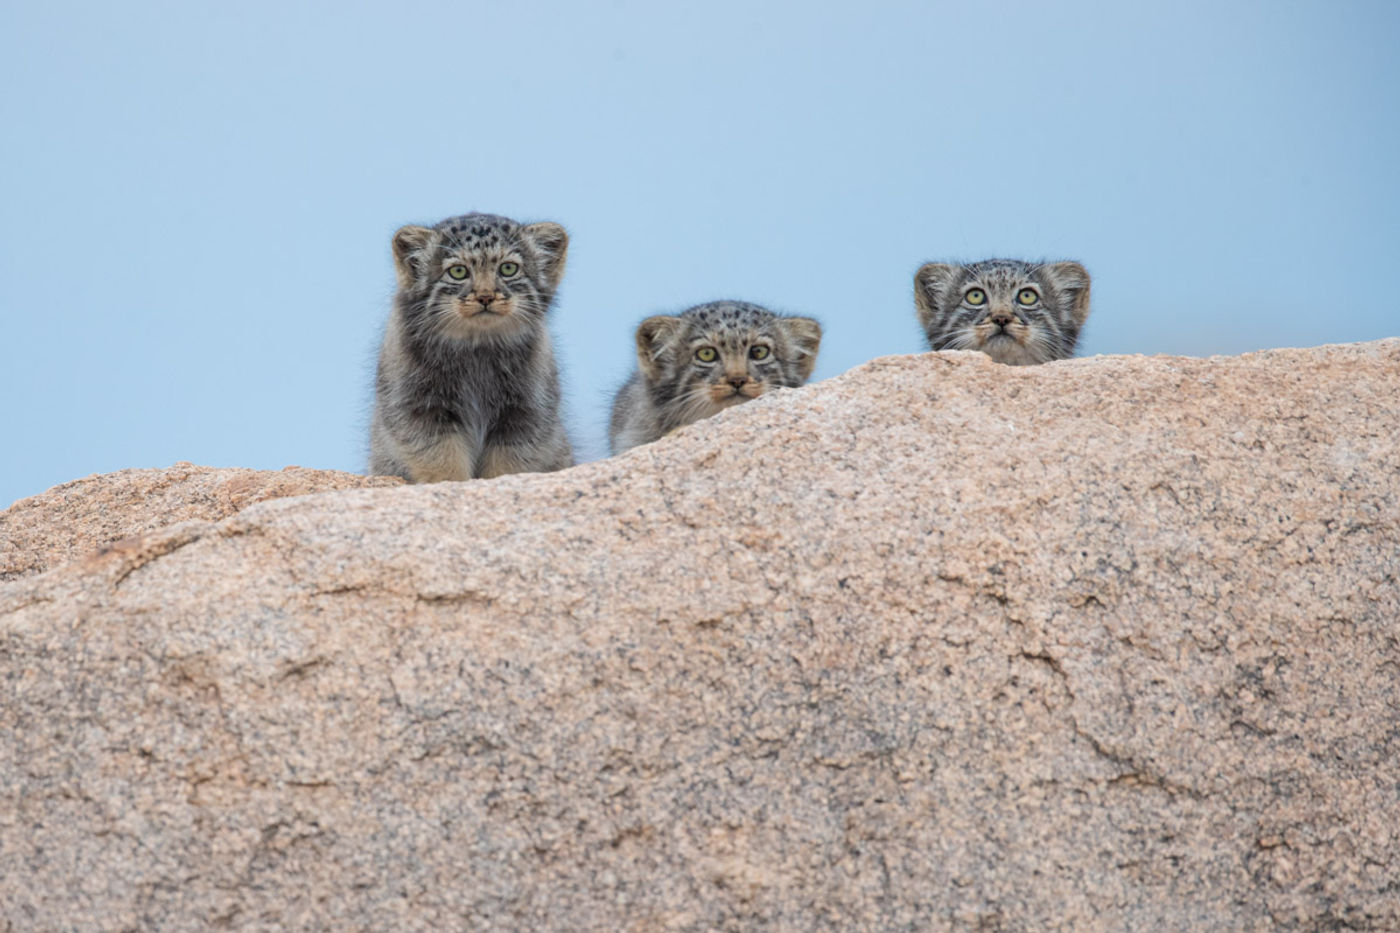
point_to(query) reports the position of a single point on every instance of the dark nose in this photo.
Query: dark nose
(738, 381)
(485, 299)
(1002, 318)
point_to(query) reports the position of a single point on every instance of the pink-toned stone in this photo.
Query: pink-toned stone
(75, 519)
(1106, 644)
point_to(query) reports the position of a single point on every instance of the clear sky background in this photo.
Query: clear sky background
(196, 199)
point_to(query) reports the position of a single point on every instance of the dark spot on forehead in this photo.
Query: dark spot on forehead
(478, 232)
(477, 224)
(729, 314)
(733, 325)
(1002, 274)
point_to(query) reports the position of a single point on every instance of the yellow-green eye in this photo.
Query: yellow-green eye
(758, 353)
(509, 268)
(975, 296)
(457, 272)
(1027, 296)
(707, 354)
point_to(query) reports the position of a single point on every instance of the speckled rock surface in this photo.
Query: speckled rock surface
(74, 519)
(1100, 645)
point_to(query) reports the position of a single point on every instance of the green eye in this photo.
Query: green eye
(758, 353)
(1027, 296)
(707, 354)
(975, 296)
(457, 272)
(509, 268)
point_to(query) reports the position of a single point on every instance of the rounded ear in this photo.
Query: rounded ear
(929, 284)
(552, 242)
(410, 243)
(654, 336)
(806, 336)
(1072, 280)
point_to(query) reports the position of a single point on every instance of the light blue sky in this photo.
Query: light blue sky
(198, 198)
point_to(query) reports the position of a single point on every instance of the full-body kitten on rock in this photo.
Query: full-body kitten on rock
(1015, 312)
(703, 360)
(467, 385)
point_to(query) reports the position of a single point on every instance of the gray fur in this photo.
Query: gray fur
(467, 385)
(1006, 329)
(672, 387)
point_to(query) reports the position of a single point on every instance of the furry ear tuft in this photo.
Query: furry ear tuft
(1072, 280)
(806, 336)
(410, 243)
(654, 337)
(552, 242)
(930, 282)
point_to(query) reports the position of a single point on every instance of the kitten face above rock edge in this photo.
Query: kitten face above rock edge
(1016, 312)
(708, 358)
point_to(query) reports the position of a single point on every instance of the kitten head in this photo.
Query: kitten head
(1015, 312)
(716, 355)
(478, 277)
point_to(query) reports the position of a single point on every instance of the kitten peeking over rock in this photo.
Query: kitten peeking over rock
(1015, 312)
(710, 357)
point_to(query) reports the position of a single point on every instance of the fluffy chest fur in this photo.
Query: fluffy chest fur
(476, 386)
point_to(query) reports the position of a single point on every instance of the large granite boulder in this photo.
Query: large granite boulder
(1108, 644)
